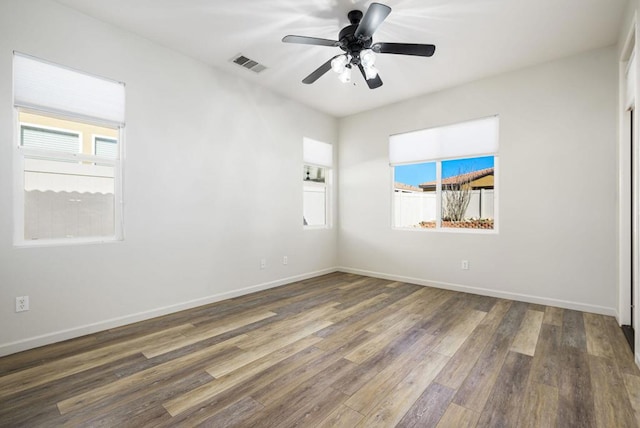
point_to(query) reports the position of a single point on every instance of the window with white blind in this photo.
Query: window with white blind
(446, 177)
(105, 147)
(37, 138)
(69, 154)
(316, 176)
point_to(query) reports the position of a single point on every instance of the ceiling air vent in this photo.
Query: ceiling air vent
(248, 63)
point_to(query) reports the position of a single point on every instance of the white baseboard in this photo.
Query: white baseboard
(488, 292)
(58, 336)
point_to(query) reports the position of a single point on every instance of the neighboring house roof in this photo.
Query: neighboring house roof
(462, 178)
(407, 187)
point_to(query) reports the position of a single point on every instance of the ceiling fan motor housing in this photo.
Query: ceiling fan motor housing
(348, 41)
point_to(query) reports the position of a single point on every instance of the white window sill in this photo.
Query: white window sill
(37, 243)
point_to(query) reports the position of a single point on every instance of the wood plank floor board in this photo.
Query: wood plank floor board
(34, 357)
(611, 400)
(546, 361)
(507, 396)
(19, 410)
(381, 385)
(122, 408)
(553, 316)
(458, 333)
(283, 385)
(458, 417)
(77, 363)
(461, 363)
(573, 332)
(527, 337)
(382, 339)
(288, 406)
(475, 390)
(343, 416)
(575, 392)
(597, 336)
(438, 323)
(233, 416)
(428, 408)
(199, 334)
(261, 370)
(140, 380)
(311, 413)
(206, 401)
(339, 350)
(539, 407)
(394, 406)
(632, 384)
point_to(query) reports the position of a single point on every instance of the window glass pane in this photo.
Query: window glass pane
(32, 137)
(67, 199)
(414, 194)
(107, 148)
(314, 173)
(314, 205)
(38, 131)
(468, 193)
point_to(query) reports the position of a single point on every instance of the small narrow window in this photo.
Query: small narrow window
(316, 173)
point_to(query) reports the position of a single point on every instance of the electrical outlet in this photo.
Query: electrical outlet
(22, 303)
(465, 265)
(285, 260)
(263, 263)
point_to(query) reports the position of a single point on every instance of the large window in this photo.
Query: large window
(316, 174)
(446, 177)
(68, 153)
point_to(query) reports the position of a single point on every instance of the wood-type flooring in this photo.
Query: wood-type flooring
(339, 350)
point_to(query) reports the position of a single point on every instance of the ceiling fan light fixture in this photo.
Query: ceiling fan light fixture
(339, 63)
(367, 58)
(370, 72)
(345, 75)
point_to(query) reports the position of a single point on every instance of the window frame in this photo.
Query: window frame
(94, 141)
(439, 228)
(21, 153)
(326, 187)
(438, 161)
(318, 154)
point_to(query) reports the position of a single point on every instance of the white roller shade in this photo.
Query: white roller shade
(317, 153)
(630, 97)
(467, 139)
(45, 86)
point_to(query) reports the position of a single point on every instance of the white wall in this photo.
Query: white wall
(196, 141)
(557, 145)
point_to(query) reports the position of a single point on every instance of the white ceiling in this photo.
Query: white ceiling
(474, 39)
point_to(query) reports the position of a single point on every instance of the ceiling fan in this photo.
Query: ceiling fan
(356, 40)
